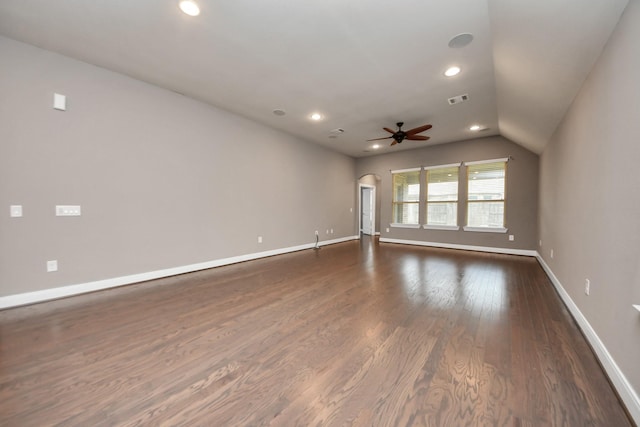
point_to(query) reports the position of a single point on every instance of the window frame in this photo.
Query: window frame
(428, 226)
(394, 202)
(487, 229)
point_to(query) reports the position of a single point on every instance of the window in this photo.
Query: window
(442, 197)
(486, 191)
(406, 196)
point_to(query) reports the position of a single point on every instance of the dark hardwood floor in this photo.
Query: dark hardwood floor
(354, 334)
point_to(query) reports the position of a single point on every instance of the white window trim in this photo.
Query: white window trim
(451, 165)
(504, 200)
(481, 162)
(441, 227)
(398, 225)
(398, 171)
(457, 201)
(486, 229)
(406, 170)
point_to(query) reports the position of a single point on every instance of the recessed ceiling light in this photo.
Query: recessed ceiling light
(475, 128)
(190, 7)
(461, 40)
(375, 146)
(452, 71)
(315, 116)
(279, 112)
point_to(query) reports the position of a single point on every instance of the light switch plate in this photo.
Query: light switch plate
(59, 102)
(52, 266)
(15, 211)
(68, 210)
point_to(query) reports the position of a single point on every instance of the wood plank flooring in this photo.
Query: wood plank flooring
(356, 334)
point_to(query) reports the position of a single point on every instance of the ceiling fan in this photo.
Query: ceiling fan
(400, 135)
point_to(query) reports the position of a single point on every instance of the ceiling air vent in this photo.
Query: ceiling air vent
(458, 99)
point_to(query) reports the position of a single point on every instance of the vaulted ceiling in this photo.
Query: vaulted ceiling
(362, 64)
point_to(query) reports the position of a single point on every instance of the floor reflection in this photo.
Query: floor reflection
(440, 279)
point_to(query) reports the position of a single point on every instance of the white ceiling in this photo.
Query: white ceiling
(363, 64)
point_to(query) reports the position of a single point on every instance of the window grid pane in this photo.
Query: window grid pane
(405, 213)
(486, 214)
(406, 196)
(442, 196)
(486, 195)
(442, 213)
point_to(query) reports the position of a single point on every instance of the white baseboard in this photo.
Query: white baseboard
(66, 291)
(618, 379)
(508, 251)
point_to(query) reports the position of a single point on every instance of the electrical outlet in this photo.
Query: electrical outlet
(259, 239)
(52, 266)
(387, 229)
(512, 237)
(327, 231)
(551, 253)
(332, 231)
(587, 286)
(316, 232)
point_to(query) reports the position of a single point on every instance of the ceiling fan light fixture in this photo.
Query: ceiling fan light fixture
(189, 7)
(452, 71)
(375, 146)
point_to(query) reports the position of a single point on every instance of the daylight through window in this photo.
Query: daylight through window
(406, 196)
(486, 194)
(442, 196)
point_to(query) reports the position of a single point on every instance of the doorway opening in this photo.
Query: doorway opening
(367, 216)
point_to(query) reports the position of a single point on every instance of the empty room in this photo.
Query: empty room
(345, 213)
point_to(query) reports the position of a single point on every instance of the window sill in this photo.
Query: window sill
(486, 229)
(396, 225)
(441, 227)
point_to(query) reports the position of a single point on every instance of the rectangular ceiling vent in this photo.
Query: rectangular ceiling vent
(458, 99)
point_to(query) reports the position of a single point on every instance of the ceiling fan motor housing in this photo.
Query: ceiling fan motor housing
(400, 135)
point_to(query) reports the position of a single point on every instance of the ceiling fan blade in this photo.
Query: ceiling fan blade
(378, 139)
(417, 138)
(418, 130)
(389, 130)
(393, 143)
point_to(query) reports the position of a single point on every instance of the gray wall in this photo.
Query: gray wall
(163, 180)
(521, 198)
(590, 197)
